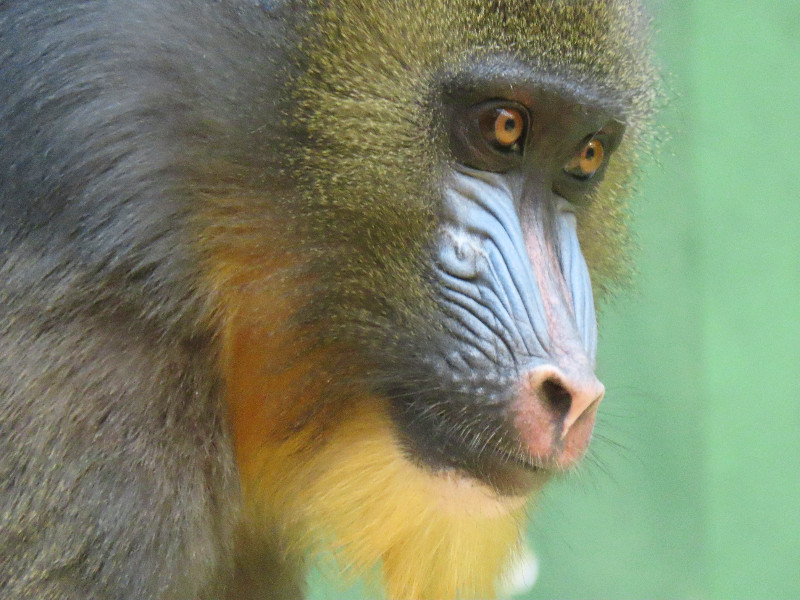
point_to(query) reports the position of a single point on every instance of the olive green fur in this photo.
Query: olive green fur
(363, 98)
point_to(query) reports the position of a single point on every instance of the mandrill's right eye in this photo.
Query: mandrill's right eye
(490, 135)
(503, 127)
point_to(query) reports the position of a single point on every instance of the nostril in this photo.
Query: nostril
(564, 397)
(555, 411)
(557, 397)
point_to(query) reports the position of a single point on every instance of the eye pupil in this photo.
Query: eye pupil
(510, 124)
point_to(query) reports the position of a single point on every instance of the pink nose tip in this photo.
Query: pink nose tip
(567, 397)
(555, 413)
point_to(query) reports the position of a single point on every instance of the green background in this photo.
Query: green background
(692, 486)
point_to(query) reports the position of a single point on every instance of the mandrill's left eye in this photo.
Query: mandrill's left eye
(588, 160)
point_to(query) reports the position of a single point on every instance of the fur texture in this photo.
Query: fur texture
(215, 220)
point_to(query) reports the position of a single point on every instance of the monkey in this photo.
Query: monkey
(288, 277)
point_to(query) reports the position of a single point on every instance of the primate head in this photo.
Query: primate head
(340, 256)
(452, 187)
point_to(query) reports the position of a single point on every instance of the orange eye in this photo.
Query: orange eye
(588, 160)
(507, 127)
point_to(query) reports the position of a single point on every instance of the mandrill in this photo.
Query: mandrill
(287, 277)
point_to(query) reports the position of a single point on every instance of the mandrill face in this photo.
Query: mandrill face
(488, 214)
(511, 390)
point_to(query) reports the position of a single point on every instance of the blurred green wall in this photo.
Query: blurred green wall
(693, 487)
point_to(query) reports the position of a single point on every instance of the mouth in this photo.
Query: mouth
(516, 460)
(507, 471)
(487, 450)
(510, 474)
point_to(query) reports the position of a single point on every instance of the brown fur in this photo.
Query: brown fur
(215, 220)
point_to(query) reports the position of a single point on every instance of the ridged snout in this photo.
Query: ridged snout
(516, 290)
(557, 396)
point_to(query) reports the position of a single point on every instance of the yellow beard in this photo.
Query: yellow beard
(429, 535)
